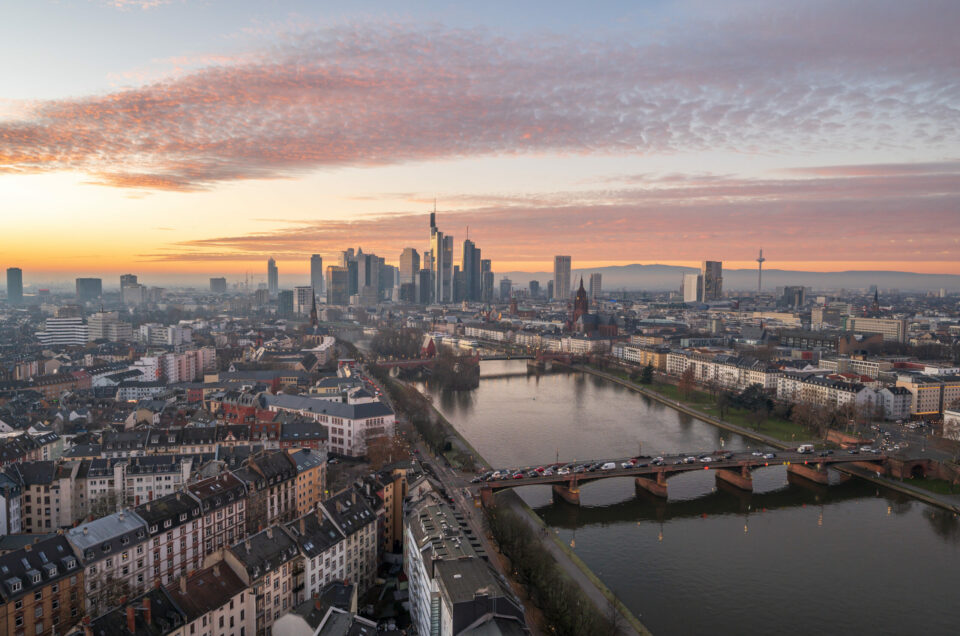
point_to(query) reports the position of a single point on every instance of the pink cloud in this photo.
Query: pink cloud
(754, 81)
(823, 218)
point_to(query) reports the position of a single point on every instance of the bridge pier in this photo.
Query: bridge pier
(570, 495)
(487, 498)
(658, 487)
(742, 480)
(816, 473)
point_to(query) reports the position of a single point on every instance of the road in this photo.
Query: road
(670, 464)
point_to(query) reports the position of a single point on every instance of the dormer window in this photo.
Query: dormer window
(70, 563)
(153, 528)
(167, 523)
(183, 516)
(106, 547)
(124, 540)
(35, 578)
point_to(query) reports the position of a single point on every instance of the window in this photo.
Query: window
(38, 595)
(19, 604)
(19, 620)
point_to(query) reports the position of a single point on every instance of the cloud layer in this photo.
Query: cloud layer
(760, 79)
(882, 213)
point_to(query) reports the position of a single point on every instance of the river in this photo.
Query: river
(791, 558)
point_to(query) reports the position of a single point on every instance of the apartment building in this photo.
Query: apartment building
(174, 532)
(223, 501)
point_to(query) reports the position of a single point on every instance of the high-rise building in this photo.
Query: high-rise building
(471, 271)
(285, 303)
(486, 280)
(273, 277)
(63, 331)
(534, 289)
(561, 277)
(368, 278)
(425, 287)
(316, 274)
(218, 285)
(89, 289)
(127, 280)
(338, 286)
(14, 285)
(303, 299)
(550, 289)
(441, 247)
(409, 265)
(506, 286)
(596, 286)
(691, 288)
(711, 282)
(106, 325)
(134, 294)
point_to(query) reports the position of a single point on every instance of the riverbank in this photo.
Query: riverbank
(572, 566)
(944, 501)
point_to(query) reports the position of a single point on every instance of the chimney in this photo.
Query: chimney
(247, 545)
(270, 532)
(147, 611)
(216, 569)
(318, 604)
(183, 584)
(148, 506)
(84, 529)
(131, 619)
(27, 547)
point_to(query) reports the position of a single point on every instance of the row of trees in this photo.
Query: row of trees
(563, 603)
(402, 344)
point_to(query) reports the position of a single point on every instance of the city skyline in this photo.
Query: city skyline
(680, 141)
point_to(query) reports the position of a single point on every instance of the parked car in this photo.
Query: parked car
(706, 460)
(770, 456)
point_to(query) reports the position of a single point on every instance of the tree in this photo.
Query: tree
(384, 449)
(687, 382)
(106, 504)
(723, 403)
(646, 374)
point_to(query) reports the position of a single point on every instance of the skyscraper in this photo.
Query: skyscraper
(561, 277)
(127, 280)
(273, 277)
(506, 286)
(441, 247)
(711, 283)
(471, 271)
(14, 285)
(285, 303)
(596, 286)
(409, 265)
(691, 288)
(218, 285)
(316, 274)
(303, 299)
(338, 286)
(368, 277)
(486, 280)
(534, 288)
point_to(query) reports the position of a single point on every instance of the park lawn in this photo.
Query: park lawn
(938, 486)
(777, 427)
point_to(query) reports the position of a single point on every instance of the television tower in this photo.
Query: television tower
(760, 260)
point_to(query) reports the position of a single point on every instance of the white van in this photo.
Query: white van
(609, 466)
(805, 449)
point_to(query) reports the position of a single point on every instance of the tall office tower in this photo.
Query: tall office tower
(218, 285)
(273, 277)
(691, 288)
(424, 287)
(14, 285)
(303, 299)
(389, 279)
(316, 274)
(368, 278)
(561, 277)
(471, 271)
(712, 281)
(447, 269)
(127, 280)
(89, 289)
(409, 266)
(134, 294)
(346, 256)
(534, 288)
(459, 285)
(338, 285)
(596, 286)
(506, 286)
(549, 289)
(285, 303)
(486, 280)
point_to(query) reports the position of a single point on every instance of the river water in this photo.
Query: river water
(791, 558)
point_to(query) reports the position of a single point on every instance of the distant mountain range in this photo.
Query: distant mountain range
(669, 277)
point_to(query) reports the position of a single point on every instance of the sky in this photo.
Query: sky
(201, 137)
